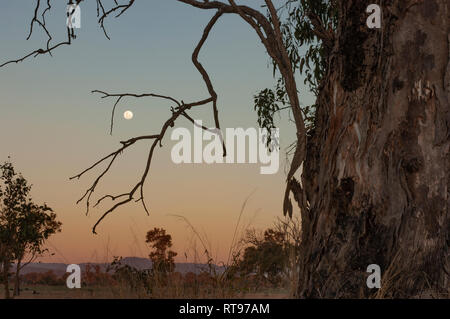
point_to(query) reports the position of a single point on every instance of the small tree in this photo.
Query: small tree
(13, 194)
(161, 256)
(24, 226)
(266, 257)
(35, 225)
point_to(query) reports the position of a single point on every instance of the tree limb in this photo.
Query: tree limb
(270, 35)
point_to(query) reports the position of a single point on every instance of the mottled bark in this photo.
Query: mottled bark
(376, 176)
(17, 278)
(5, 277)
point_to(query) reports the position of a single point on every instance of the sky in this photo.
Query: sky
(53, 127)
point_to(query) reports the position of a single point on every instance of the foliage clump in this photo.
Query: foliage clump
(24, 225)
(306, 26)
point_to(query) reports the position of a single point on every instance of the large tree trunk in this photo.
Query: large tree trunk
(17, 279)
(5, 275)
(377, 174)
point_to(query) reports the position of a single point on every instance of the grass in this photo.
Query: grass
(214, 284)
(113, 292)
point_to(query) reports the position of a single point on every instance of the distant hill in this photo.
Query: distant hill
(136, 262)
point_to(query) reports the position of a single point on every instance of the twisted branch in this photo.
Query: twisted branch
(180, 110)
(268, 30)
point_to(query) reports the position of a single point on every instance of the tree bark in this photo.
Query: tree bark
(17, 279)
(377, 170)
(6, 267)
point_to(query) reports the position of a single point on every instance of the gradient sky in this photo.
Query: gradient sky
(53, 127)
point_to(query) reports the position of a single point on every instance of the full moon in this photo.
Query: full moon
(128, 115)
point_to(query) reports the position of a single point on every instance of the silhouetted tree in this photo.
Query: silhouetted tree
(35, 225)
(24, 226)
(266, 257)
(161, 256)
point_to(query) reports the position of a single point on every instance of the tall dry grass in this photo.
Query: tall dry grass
(215, 278)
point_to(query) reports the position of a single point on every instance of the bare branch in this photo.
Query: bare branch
(70, 32)
(37, 52)
(113, 198)
(46, 10)
(205, 75)
(120, 96)
(272, 39)
(181, 110)
(268, 30)
(190, 119)
(42, 24)
(36, 9)
(122, 8)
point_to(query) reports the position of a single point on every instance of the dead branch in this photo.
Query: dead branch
(267, 29)
(42, 24)
(205, 75)
(120, 96)
(157, 138)
(121, 8)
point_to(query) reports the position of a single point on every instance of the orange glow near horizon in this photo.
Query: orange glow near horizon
(53, 127)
